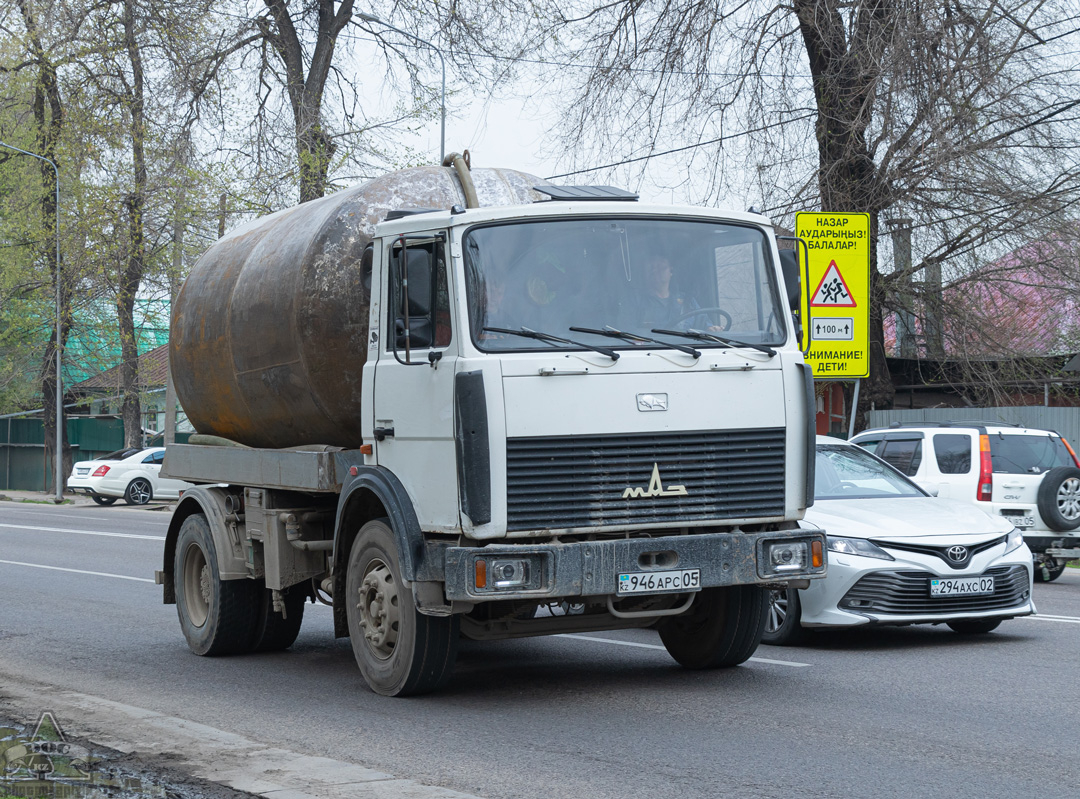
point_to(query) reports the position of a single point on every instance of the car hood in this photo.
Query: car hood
(903, 517)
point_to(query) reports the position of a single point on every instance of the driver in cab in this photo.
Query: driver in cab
(659, 304)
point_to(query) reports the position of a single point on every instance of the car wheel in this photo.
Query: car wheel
(100, 500)
(139, 492)
(1048, 569)
(783, 627)
(974, 626)
(722, 628)
(1059, 498)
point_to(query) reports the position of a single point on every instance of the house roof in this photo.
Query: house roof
(153, 373)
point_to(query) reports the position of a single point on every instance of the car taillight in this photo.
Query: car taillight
(1066, 443)
(101, 471)
(986, 471)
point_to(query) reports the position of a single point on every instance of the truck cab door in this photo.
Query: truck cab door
(414, 377)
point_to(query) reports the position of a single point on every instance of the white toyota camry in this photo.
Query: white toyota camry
(133, 474)
(900, 556)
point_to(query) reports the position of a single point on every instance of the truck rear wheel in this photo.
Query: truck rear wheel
(217, 616)
(274, 632)
(722, 628)
(400, 652)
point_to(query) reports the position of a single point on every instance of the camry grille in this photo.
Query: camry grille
(942, 552)
(595, 481)
(908, 593)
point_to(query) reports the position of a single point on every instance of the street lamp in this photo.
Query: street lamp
(442, 60)
(57, 450)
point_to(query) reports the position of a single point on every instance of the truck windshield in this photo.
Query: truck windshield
(631, 274)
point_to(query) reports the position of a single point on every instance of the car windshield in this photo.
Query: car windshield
(616, 276)
(1027, 454)
(846, 472)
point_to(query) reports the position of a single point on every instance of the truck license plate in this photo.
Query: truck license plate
(660, 582)
(962, 586)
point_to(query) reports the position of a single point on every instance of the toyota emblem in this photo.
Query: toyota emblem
(957, 554)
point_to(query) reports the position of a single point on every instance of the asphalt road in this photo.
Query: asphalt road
(917, 711)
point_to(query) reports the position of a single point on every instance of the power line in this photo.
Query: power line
(718, 140)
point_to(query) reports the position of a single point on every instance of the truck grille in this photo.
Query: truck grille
(908, 593)
(580, 481)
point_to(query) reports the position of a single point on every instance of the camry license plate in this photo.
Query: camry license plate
(962, 586)
(660, 582)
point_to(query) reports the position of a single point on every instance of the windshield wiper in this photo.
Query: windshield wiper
(612, 332)
(525, 332)
(701, 335)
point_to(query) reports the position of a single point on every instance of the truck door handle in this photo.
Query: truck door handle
(383, 432)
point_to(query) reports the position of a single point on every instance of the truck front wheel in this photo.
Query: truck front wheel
(722, 628)
(217, 616)
(400, 652)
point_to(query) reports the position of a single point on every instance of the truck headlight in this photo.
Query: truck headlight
(786, 556)
(508, 573)
(858, 546)
(1014, 540)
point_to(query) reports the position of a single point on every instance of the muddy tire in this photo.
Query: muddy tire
(722, 628)
(274, 632)
(783, 627)
(400, 652)
(217, 616)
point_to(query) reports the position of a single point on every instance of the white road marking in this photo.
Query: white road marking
(83, 532)
(101, 515)
(662, 649)
(1051, 617)
(77, 571)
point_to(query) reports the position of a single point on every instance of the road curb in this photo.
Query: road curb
(207, 752)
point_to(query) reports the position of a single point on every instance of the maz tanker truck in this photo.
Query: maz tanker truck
(452, 403)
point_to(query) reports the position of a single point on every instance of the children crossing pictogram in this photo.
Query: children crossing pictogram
(832, 291)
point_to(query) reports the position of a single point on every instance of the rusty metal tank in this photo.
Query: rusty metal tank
(269, 332)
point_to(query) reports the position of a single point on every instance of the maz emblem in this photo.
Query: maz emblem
(656, 488)
(652, 402)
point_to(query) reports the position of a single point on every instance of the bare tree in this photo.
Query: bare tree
(960, 115)
(48, 122)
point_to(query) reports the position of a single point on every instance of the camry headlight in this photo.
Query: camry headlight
(1013, 541)
(858, 546)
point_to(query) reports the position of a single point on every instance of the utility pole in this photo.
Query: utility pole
(906, 343)
(58, 455)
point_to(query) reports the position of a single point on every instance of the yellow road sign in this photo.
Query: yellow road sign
(838, 293)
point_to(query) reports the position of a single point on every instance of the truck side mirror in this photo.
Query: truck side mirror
(789, 265)
(793, 272)
(413, 300)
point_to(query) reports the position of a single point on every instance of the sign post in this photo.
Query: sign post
(838, 316)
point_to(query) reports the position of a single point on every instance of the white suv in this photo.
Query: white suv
(1031, 477)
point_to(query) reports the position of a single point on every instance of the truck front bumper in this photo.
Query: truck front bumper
(592, 568)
